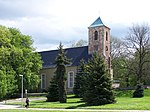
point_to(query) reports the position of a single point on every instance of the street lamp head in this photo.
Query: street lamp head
(21, 75)
(26, 91)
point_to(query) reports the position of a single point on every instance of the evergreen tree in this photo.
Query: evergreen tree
(80, 80)
(61, 61)
(53, 94)
(98, 83)
(139, 92)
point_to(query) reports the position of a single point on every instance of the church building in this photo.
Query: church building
(98, 41)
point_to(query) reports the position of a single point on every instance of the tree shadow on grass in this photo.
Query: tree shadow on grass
(77, 106)
(37, 103)
(76, 102)
(72, 97)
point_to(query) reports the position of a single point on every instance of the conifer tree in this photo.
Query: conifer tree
(61, 61)
(53, 94)
(98, 84)
(80, 79)
(139, 92)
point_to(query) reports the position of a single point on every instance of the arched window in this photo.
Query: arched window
(106, 48)
(43, 81)
(95, 35)
(106, 36)
(70, 79)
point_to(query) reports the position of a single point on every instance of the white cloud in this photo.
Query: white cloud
(52, 21)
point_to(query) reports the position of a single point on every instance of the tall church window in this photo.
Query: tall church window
(43, 81)
(106, 36)
(70, 79)
(95, 35)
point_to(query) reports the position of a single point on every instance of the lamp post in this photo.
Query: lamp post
(22, 89)
(26, 93)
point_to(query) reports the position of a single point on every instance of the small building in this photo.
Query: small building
(98, 41)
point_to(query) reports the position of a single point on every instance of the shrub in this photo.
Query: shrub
(139, 92)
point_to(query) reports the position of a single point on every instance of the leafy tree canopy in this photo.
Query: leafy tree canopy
(17, 56)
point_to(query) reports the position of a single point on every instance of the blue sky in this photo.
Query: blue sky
(52, 21)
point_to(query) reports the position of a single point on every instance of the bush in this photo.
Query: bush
(139, 92)
(123, 93)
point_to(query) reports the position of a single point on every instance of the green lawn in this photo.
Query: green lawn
(71, 102)
(29, 110)
(124, 102)
(37, 111)
(15, 110)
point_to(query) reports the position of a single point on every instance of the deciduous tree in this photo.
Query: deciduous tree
(17, 57)
(138, 43)
(79, 43)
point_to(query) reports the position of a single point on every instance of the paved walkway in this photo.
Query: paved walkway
(3, 106)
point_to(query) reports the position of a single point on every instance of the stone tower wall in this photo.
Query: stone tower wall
(101, 43)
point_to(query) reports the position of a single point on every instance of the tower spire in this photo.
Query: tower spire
(97, 22)
(99, 40)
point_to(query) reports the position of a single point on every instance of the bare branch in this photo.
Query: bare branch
(138, 40)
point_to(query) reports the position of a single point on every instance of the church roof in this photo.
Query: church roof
(97, 22)
(75, 54)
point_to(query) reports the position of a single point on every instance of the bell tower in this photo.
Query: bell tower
(99, 40)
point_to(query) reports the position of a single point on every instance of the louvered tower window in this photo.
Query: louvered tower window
(95, 35)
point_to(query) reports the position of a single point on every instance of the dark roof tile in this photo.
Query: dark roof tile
(75, 54)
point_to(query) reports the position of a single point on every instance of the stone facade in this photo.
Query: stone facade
(48, 73)
(99, 41)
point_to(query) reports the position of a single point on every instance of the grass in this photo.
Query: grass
(15, 110)
(71, 102)
(124, 102)
(10, 110)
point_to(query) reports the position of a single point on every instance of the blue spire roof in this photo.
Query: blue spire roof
(97, 22)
